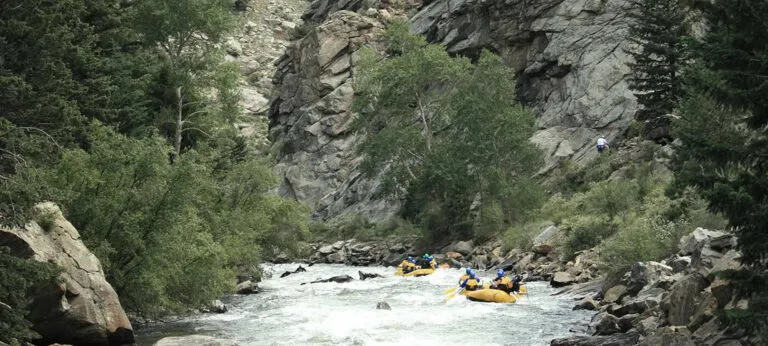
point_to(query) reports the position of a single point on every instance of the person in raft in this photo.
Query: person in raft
(501, 282)
(408, 265)
(470, 281)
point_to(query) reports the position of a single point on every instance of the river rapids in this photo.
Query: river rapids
(288, 313)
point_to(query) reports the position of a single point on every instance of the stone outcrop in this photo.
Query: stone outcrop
(310, 120)
(569, 55)
(362, 253)
(672, 304)
(83, 308)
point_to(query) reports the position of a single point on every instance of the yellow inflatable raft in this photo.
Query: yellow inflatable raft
(417, 272)
(489, 295)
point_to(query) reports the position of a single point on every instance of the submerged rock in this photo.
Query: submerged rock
(247, 287)
(196, 340)
(364, 276)
(338, 279)
(383, 306)
(84, 308)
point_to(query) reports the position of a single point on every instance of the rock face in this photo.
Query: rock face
(568, 54)
(84, 308)
(310, 119)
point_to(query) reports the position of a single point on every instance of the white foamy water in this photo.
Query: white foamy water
(288, 313)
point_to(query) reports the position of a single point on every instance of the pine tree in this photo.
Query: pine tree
(724, 132)
(657, 29)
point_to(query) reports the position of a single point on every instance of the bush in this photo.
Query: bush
(586, 231)
(302, 30)
(646, 238)
(521, 236)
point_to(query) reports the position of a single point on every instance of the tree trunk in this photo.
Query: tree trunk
(179, 123)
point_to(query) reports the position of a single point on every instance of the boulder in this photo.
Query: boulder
(326, 250)
(723, 292)
(216, 307)
(247, 287)
(542, 249)
(644, 301)
(454, 255)
(83, 308)
(546, 236)
(728, 261)
(364, 276)
(699, 238)
(679, 304)
(643, 274)
(704, 310)
(508, 264)
(337, 279)
(383, 306)
(669, 336)
(605, 324)
(339, 244)
(648, 325)
(463, 247)
(397, 248)
(613, 294)
(586, 304)
(629, 338)
(561, 279)
(197, 340)
(392, 259)
(679, 263)
(627, 322)
(336, 257)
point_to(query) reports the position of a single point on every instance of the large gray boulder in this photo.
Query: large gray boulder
(629, 338)
(561, 279)
(83, 308)
(197, 340)
(645, 274)
(680, 304)
(465, 248)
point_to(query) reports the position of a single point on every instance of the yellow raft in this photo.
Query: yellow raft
(417, 272)
(489, 295)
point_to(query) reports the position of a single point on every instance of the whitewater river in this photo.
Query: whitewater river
(287, 313)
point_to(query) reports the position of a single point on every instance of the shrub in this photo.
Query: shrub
(587, 231)
(521, 236)
(649, 237)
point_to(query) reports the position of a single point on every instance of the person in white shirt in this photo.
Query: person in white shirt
(602, 144)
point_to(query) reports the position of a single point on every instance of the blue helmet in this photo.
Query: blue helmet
(500, 272)
(410, 258)
(469, 271)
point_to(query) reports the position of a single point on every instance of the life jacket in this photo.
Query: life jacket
(433, 264)
(408, 267)
(472, 284)
(503, 283)
(462, 278)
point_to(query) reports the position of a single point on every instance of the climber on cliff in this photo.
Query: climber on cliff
(602, 144)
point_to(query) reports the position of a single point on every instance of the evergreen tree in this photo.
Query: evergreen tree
(723, 128)
(657, 30)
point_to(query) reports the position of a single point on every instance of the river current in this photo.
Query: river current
(288, 313)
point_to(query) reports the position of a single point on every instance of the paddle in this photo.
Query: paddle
(450, 296)
(451, 290)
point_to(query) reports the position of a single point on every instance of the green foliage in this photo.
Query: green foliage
(302, 30)
(444, 134)
(520, 236)
(19, 276)
(355, 226)
(722, 127)
(168, 235)
(658, 29)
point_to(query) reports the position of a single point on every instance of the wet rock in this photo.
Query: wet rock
(383, 306)
(679, 304)
(364, 276)
(197, 340)
(586, 304)
(669, 336)
(300, 269)
(215, 307)
(629, 338)
(614, 293)
(561, 279)
(247, 287)
(392, 259)
(605, 324)
(337, 279)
